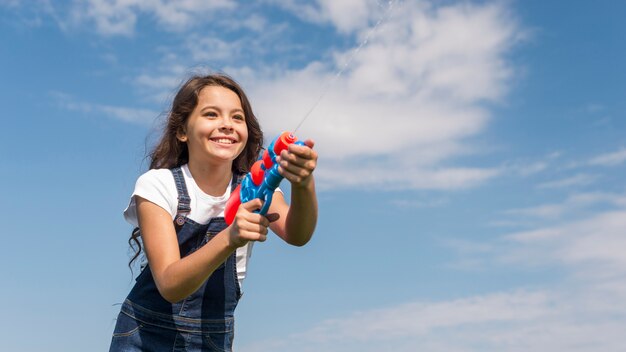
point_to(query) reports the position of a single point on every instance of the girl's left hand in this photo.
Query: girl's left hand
(297, 163)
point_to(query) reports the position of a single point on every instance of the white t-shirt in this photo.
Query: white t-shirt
(159, 187)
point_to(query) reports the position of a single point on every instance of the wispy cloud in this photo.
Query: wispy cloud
(120, 17)
(413, 203)
(571, 205)
(523, 320)
(581, 311)
(576, 180)
(588, 237)
(610, 159)
(346, 16)
(408, 101)
(594, 108)
(402, 113)
(10, 3)
(127, 114)
(592, 247)
(531, 167)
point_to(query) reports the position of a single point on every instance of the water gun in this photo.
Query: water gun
(262, 180)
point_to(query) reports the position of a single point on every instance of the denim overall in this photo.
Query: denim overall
(203, 321)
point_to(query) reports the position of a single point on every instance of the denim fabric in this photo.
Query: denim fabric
(204, 321)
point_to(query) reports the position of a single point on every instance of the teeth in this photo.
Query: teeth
(224, 141)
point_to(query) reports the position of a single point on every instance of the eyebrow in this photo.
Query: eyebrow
(216, 108)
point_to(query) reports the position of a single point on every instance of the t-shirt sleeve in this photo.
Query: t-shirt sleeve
(156, 186)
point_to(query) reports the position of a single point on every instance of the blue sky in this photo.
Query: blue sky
(471, 184)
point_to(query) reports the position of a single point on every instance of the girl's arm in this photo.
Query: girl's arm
(177, 278)
(296, 222)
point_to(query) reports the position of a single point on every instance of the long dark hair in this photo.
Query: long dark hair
(171, 152)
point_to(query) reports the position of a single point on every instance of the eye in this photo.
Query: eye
(239, 117)
(210, 114)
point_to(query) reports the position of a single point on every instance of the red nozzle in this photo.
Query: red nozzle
(283, 142)
(232, 205)
(257, 172)
(267, 160)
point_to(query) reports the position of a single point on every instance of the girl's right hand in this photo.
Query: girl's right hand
(248, 225)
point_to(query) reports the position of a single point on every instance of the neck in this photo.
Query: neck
(211, 178)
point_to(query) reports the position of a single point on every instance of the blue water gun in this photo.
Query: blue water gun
(262, 180)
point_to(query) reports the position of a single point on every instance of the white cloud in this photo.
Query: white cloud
(402, 113)
(543, 211)
(576, 180)
(212, 49)
(539, 320)
(421, 318)
(590, 242)
(465, 246)
(110, 17)
(10, 3)
(119, 17)
(134, 115)
(388, 176)
(582, 311)
(610, 159)
(591, 248)
(127, 114)
(413, 203)
(530, 169)
(346, 16)
(571, 206)
(594, 108)
(408, 101)
(526, 168)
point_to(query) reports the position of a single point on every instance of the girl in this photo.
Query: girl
(184, 299)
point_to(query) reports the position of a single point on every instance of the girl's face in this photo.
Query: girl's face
(216, 129)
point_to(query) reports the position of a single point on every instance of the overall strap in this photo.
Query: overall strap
(184, 200)
(237, 178)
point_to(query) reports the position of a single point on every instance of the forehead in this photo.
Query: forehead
(218, 96)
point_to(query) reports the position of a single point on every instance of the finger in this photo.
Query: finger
(252, 228)
(309, 143)
(300, 150)
(292, 173)
(299, 167)
(253, 220)
(262, 220)
(272, 217)
(293, 178)
(307, 161)
(287, 158)
(252, 205)
(254, 236)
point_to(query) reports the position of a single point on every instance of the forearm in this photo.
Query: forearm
(302, 215)
(183, 277)
(177, 277)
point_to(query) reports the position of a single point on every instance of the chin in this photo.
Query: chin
(225, 158)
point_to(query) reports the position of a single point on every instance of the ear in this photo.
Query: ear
(181, 136)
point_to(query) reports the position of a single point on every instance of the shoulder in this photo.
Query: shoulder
(157, 186)
(157, 176)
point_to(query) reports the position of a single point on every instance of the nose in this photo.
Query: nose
(227, 124)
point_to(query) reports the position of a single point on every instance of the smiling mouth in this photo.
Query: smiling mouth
(223, 140)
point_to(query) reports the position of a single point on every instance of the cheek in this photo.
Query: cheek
(203, 129)
(243, 133)
(244, 138)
